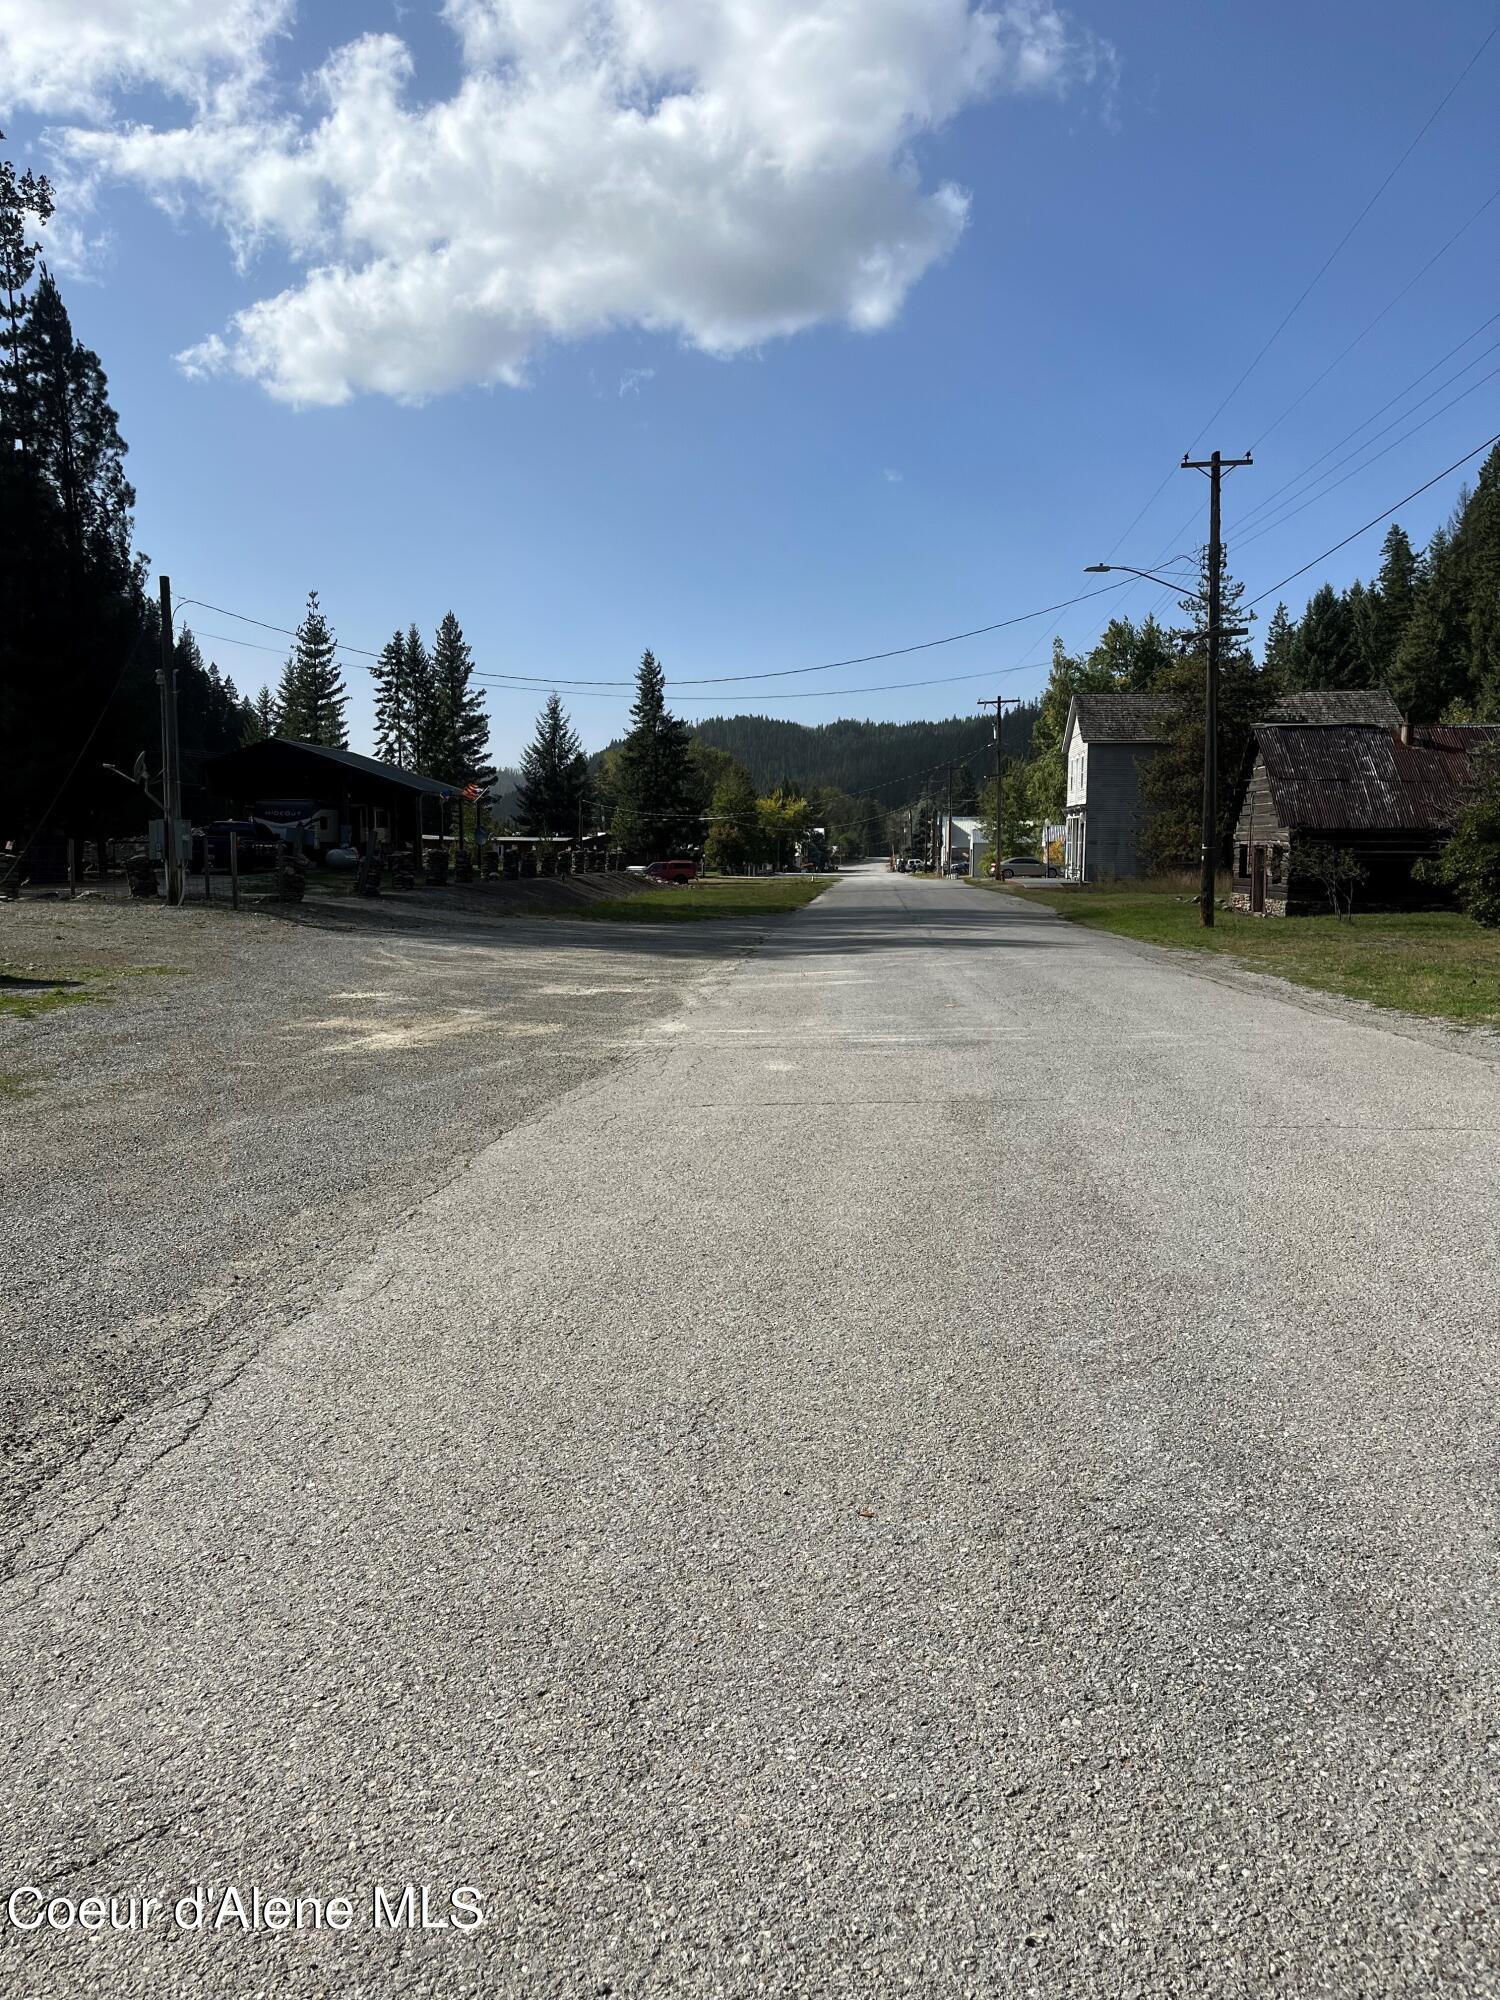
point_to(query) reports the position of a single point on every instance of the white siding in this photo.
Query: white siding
(1078, 768)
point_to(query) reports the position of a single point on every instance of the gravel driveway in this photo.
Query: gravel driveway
(245, 1105)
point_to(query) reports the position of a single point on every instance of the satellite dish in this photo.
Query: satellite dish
(139, 770)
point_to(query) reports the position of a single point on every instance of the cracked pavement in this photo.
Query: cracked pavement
(959, 1459)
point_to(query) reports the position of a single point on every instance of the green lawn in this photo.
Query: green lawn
(1426, 961)
(712, 896)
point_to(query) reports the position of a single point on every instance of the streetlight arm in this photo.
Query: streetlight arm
(1167, 582)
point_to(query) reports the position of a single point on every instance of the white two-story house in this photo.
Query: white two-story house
(1109, 740)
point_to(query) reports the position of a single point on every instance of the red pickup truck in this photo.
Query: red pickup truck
(673, 871)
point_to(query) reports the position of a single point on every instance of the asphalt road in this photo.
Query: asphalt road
(962, 1462)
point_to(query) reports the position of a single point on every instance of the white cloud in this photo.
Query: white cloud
(728, 171)
(631, 380)
(72, 55)
(892, 477)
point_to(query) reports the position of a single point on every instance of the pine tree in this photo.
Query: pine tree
(1327, 655)
(1279, 660)
(75, 641)
(965, 790)
(1430, 670)
(554, 775)
(75, 439)
(266, 717)
(1478, 549)
(25, 205)
(312, 697)
(394, 731)
(1385, 609)
(462, 726)
(654, 814)
(424, 719)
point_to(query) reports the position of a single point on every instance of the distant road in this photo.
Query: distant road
(961, 1462)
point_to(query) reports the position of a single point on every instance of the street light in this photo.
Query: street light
(1102, 569)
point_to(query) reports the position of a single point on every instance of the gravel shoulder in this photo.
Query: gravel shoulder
(234, 1108)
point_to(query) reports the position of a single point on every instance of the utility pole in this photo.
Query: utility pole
(1215, 466)
(171, 776)
(1000, 702)
(947, 852)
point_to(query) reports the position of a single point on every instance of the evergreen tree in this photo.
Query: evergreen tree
(25, 205)
(266, 718)
(462, 731)
(554, 775)
(1477, 544)
(1431, 669)
(312, 697)
(1048, 780)
(1279, 660)
(75, 644)
(423, 709)
(1470, 863)
(75, 439)
(395, 735)
(1172, 783)
(655, 812)
(965, 791)
(1327, 655)
(1387, 607)
(210, 720)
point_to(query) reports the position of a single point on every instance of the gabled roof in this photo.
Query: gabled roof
(1121, 718)
(1375, 706)
(283, 759)
(1353, 778)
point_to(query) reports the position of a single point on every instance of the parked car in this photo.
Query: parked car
(1025, 865)
(958, 864)
(672, 871)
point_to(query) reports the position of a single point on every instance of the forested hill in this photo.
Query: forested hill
(864, 757)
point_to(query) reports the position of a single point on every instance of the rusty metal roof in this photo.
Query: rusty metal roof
(1353, 778)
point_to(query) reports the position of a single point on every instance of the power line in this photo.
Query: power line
(1323, 268)
(578, 684)
(1390, 305)
(1296, 307)
(879, 687)
(1269, 501)
(1375, 523)
(1323, 491)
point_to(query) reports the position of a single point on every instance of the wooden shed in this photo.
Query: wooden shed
(1341, 767)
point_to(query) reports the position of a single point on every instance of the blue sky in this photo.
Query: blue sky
(1148, 191)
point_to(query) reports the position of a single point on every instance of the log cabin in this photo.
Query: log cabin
(1341, 767)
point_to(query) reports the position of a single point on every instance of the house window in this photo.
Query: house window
(1244, 868)
(1276, 864)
